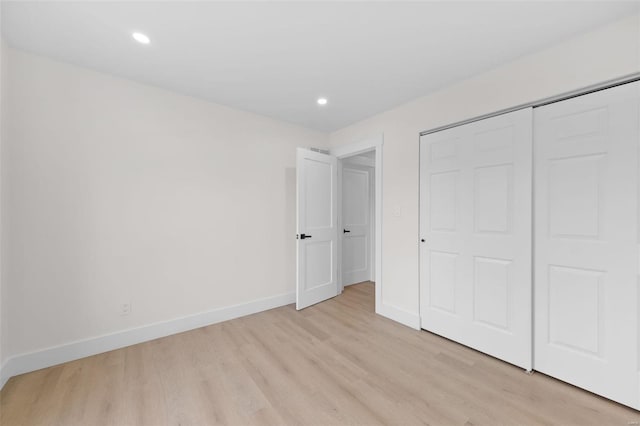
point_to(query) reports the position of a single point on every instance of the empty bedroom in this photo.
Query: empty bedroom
(319, 213)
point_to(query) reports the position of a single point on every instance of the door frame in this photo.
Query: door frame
(369, 168)
(372, 143)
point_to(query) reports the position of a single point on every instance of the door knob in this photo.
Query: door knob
(422, 240)
(344, 231)
(304, 236)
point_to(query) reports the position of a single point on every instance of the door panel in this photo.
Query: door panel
(356, 219)
(475, 218)
(317, 277)
(586, 233)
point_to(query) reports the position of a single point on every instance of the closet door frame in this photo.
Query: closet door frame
(604, 85)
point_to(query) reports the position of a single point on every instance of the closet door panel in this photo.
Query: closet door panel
(475, 214)
(586, 236)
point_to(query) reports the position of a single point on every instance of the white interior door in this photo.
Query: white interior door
(586, 233)
(317, 239)
(475, 222)
(356, 223)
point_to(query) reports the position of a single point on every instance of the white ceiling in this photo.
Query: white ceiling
(277, 58)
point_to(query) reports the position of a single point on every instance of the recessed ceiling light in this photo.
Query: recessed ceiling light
(141, 38)
(322, 101)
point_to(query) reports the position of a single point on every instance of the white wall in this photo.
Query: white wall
(607, 53)
(3, 310)
(119, 192)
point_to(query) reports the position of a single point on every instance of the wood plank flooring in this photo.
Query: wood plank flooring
(333, 363)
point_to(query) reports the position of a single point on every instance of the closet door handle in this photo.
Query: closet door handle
(344, 231)
(304, 236)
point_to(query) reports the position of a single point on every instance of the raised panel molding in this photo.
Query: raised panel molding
(443, 280)
(444, 154)
(491, 292)
(318, 273)
(444, 205)
(319, 205)
(446, 149)
(494, 141)
(576, 309)
(353, 197)
(353, 245)
(587, 123)
(493, 199)
(574, 197)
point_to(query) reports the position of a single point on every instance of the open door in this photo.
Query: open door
(356, 221)
(317, 238)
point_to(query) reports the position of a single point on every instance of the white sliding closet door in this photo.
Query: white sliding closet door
(475, 220)
(586, 236)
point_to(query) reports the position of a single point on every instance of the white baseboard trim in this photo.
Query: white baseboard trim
(24, 363)
(3, 376)
(347, 285)
(399, 315)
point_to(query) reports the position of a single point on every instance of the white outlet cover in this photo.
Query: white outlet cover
(125, 308)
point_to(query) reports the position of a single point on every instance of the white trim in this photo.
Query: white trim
(25, 363)
(402, 316)
(358, 160)
(340, 226)
(608, 84)
(372, 225)
(4, 376)
(374, 142)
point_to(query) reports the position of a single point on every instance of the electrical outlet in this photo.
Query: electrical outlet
(125, 308)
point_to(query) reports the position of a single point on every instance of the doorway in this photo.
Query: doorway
(320, 232)
(356, 219)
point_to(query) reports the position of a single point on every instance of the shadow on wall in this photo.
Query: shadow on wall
(290, 224)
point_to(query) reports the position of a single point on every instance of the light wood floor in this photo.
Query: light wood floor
(333, 363)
